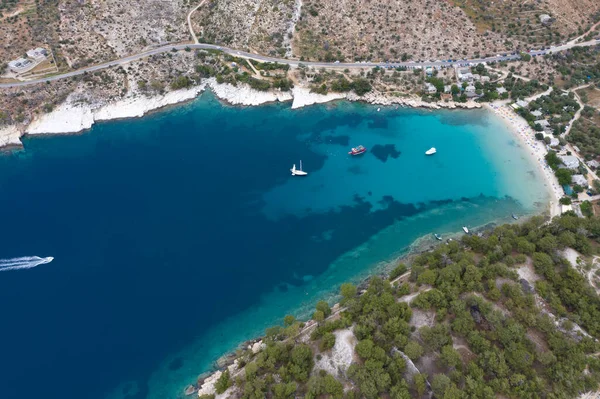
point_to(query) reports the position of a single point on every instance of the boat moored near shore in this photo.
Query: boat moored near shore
(465, 229)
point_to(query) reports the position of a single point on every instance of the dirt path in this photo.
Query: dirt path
(189, 21)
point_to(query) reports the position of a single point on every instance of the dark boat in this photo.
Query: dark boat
(357, 150)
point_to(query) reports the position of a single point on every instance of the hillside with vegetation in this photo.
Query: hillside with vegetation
(508, 313)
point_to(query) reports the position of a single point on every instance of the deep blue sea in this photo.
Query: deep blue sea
(181, 234)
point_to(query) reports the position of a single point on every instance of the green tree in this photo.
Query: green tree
(586, 209)
(323, 306)
(400, 391)
(251, 369)
(450, 357)
(348, 291)
(284, 391)
(301, 362)
(361, 86)
(181, 82)
(223, 382)
(439, 384)
(413, 350)
(420, 383)
(289, 320)
(328, 341)
(564, 176)
(398, 271)
(318, 316)
(427, 277)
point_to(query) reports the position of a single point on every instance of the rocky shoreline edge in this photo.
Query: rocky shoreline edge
(79, 113)
(205, 384)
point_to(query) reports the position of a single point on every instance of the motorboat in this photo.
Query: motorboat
(431, 151)
(357, 150)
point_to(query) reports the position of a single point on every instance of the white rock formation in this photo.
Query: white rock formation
(303, 97)
(243, 94)
(67, 118)
(341, 355)
(9, 136)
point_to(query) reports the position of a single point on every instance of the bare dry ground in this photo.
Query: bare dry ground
(519, 20)
(260, 25)
(92, 31)
(356, 29)
(27, 24)
(149, 76)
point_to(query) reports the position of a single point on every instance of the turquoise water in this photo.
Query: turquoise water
(179, 235)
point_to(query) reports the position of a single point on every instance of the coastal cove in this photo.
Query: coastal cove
(181, 234)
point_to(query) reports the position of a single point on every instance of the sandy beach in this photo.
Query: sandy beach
(535, 149)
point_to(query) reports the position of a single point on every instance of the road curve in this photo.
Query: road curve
(293, 63)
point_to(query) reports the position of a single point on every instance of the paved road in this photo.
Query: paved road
(295, 63)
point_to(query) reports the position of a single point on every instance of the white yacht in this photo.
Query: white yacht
(298, 172)
(431, 151)
(465, 229)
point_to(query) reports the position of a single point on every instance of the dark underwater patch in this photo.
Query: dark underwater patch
(382, 152)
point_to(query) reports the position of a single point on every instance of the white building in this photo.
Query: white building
(429, 88)
(554, 142)
(579, 180)
(542, 122)
(593, 164)
(464, 74)
(536, 113)
(20, 65)
(546, 19)
(501, 90)
(569, 161)
(39, 54)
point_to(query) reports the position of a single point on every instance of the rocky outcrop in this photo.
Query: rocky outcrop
(243, 94)
(413, 102)
(9, 136)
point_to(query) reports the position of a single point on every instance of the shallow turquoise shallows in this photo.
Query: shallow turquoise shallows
(177, 236)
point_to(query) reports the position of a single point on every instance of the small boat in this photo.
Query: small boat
(357, 150)
(438, 237)
(378, 109)
(515, 217)
(298, 172)
(465, 229)
(431, 151)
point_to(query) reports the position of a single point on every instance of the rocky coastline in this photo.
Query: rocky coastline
(78, 113)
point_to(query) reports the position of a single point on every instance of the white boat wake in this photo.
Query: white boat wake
(25, 262)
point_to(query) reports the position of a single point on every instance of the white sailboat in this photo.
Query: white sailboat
(298, 172)
(431, 151)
